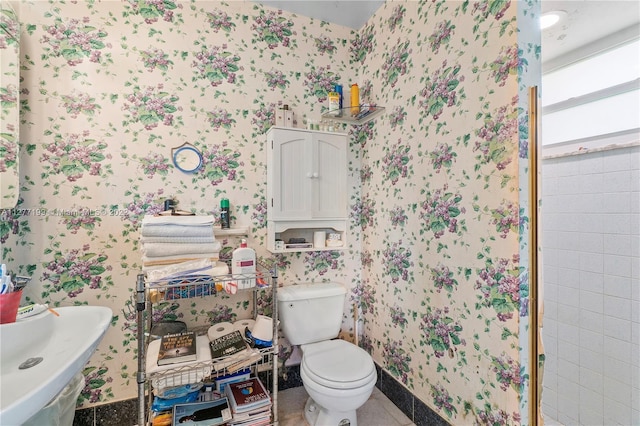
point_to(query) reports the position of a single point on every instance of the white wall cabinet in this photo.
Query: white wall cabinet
(306, 184)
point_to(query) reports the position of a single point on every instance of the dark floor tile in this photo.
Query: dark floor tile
(293, 379)
(398, 394)
(121, 413)
(84, 417)
(425, 416)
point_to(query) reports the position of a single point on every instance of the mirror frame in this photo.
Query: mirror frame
(187, 158)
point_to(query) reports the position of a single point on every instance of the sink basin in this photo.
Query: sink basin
(64, 343)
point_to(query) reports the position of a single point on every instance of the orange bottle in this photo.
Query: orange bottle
(355, 100)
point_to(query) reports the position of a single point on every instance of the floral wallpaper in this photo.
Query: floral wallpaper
(9, 106)
(434, 264)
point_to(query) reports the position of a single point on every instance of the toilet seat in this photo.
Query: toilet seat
(338, 364)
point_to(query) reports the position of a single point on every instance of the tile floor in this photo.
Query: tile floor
(377, 411)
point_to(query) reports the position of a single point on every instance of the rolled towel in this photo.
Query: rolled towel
(162, 249)
(178, 239)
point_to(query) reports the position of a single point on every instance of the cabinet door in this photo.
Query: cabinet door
(329, 176)
(289, 169)
(306, 175)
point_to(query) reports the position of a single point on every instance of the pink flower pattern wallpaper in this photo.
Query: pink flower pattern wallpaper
(436, 263)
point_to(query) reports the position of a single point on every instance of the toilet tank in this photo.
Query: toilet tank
(311, 312)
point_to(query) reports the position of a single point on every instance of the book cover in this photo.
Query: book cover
(208, 413)
(228, 344)
(178, 347)
(238, 376)
(247, 395)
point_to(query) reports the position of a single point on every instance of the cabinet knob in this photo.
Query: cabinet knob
(312, 175)
(315, 175)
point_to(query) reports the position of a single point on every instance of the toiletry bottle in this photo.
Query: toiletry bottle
(243, 262)
(224, 213)
(338, 90)
(355, 100)
(334, 103)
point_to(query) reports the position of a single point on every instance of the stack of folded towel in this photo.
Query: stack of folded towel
(167, 240)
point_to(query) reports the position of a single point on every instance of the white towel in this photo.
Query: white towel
(178, 239)
(176, 231)
(162, 249)
(150, 220)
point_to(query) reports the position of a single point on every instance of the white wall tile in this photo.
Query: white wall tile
(591, 281)
(617, 370)
(568, 358)
(616, 413)
(617, 328)
(617, 286)
(571, 186)
(570, 334)
(591, 321)
(568, 296)
(616, 265)
(592, 360)
(616, 224)
(590, 340)
(592, 183)
(568, 240)
(586, 203)
(591, 262)
(568, 315)
(569, 278)
(550, 187)
(634, 245)
(617, 307)
(617, 181)
(616, 160)
(569, 259)
(550, 309)
(617, 349)
(591, 242)
(591, 301)
(634, 201)
(593, 382)
(591, 164)
(619, 244)
(619, 202)
(570, 167)
(590, 222)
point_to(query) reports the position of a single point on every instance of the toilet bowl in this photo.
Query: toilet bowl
(339, 377)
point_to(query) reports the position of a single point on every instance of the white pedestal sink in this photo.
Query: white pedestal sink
(57, 346)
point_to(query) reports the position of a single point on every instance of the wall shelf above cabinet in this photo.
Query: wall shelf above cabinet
(345, 115)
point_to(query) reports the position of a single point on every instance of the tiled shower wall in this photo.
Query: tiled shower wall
(591, 270)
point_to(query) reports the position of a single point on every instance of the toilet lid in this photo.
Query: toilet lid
(338, 364)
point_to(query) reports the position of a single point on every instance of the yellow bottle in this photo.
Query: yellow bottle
(355, 100)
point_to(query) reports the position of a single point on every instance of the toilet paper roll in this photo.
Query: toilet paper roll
(263, 328)
(240, 325)
(318, 239)
(219, 330)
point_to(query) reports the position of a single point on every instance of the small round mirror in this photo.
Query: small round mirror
(187, 158)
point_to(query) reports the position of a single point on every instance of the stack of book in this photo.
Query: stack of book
(250, 403)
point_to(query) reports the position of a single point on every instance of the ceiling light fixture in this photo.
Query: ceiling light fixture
(551, 18)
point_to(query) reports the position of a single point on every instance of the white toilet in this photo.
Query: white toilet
(338, 376)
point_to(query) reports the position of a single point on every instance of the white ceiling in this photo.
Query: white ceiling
(588, 24)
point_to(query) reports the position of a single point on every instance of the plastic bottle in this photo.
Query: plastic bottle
(338, 90)
(334, 103)
(355, 100)
(243, 262)
(224, 213)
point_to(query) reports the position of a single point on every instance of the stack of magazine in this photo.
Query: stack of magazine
(250, 403)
